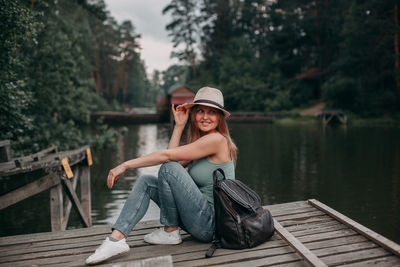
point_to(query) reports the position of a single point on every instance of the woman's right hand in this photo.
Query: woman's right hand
(114, 174)
(181, 115)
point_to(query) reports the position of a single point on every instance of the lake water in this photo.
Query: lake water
(354, 170)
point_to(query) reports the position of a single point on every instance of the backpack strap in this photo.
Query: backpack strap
(215, 175)
(215, 244)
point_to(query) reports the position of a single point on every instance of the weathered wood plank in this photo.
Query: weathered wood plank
(185, 260)
(69, 190)
(330, 240)
(5, 155)
(28, 190)
(277, 213)
(50, 162)
(23, 161)
(290, 222)
(161, 261)
(389, 261)
(68, 204)
(95, 230)
(85, 193)
(304, 252)
(267, 261)
(300, 216)
(381, 240)
(287, 206)
(52, 250)
(355, 256)
(338, 250)
(346, 240)
(56, 207)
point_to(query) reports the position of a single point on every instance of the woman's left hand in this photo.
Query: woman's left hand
(114, 174)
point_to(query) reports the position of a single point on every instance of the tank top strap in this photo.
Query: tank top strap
(229, 146)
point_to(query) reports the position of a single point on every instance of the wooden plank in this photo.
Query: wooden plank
(335, 242)
(304, 252)
(312, 225)
(56, 207)
(389, 261)
(85, 193)
(50, 161)
(5, 166)
(5, 155)
(163, 261)
(377, 238)
(266, 261)
(356, 256)
(186, 260)
(24, 161)
(69, 190)
(286, 206)
(319, 230)
(346, 248)
(95, 230)
(326, 236)
(276, 213)
(307, 221)
(68, 204)
(196, 249)
(28, 190)
(300, 216)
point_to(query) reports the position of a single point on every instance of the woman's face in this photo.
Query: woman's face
(207, 118)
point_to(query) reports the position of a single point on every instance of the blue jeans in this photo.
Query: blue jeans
(180, 200)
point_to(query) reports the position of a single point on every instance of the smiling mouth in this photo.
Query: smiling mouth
(205, 123)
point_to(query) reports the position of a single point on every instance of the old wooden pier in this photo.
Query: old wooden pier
(309, 233)
(57, 171)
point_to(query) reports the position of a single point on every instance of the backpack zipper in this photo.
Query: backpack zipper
(232, 211)
(235, 196)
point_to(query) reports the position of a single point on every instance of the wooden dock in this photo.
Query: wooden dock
(319, 235)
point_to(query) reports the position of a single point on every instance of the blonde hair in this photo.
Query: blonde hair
(222, 128)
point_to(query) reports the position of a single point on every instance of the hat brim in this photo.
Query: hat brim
(189, 105)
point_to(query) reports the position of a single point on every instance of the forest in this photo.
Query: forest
(61, 60)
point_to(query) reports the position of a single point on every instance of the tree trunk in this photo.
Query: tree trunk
(396, 51)
(193, 56)
(318, 38)
(97, 73)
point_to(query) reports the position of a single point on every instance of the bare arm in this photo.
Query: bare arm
(203, 147)
(181, 116)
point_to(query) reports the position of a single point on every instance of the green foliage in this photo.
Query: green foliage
(49, 74)
(19, 30)
(278, 55)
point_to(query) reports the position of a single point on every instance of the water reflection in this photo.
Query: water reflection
(355, 171)
(140, 140)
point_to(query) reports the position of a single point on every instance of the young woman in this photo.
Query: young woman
(185, 196)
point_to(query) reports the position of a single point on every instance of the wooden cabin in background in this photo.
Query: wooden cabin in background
(176, 97)
(181, 96)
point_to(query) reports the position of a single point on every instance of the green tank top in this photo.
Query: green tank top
(201, 172)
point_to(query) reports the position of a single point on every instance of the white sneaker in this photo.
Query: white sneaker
(107, 250)
(162, 237)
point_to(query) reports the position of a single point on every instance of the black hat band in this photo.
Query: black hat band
(199, 101)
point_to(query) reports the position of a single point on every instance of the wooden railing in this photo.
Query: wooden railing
(62, 170)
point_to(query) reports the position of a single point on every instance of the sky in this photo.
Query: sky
(146, 16)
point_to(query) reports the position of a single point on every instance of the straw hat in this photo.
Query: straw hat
(211, 97)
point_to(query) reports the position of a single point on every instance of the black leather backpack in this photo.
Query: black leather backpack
(240, 220)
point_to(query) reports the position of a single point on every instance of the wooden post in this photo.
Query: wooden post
(85, 193)
(5, 151)
(56, 207)
(68, 204)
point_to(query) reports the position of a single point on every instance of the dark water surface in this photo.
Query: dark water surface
(356, 171)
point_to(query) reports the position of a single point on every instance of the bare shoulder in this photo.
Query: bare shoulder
(213, 137)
